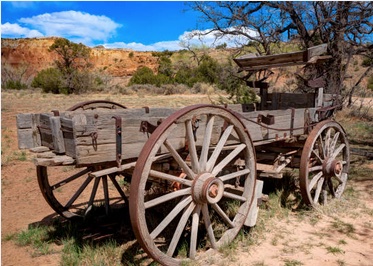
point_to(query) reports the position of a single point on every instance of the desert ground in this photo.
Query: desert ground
(338, 234)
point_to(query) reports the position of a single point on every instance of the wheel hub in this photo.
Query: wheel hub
(332, 167)
(207, 189)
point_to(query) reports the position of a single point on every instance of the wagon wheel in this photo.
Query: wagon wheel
(96, 104)
(193, 184)
(324, 164)
(73, 192)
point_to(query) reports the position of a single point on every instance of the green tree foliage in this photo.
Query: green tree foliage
(165, 66)
(73, 58)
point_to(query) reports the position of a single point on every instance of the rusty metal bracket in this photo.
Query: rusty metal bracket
(118, 133)
(268, 120)
(146, 108)
(56, 112)
(147, 127)
(94, 136)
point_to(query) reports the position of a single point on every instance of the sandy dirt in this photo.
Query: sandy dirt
(293, 240)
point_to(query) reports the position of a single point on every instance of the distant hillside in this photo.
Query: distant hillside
(34, 53)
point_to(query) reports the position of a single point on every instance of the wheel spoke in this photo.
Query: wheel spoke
(331, 188)
(180, 228)
(317, 156)
(318, 190)
(192, 146)
(117, 186)
(168, 219)
(327, 142)
(314, 180)
(179, 160)
(223, 215)
(167, 197)
(334, 141)
(322, 146)
(208, 225)
(69, 179)
(315, 168)
(78, 192)
(93, 194)
(234, 196)
(106, 193)
(338, 150)
(194, 232)
(234, 175)
(169, 177)
(218, 148)
(228, 159)
(206, 142)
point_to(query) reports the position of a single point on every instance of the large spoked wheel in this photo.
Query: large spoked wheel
(324, 164)
(73, 192)
(193, 184)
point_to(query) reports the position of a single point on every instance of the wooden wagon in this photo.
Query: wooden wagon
(192, 177)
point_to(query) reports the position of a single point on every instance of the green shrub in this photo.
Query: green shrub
(14, 85)
(186, 75)
(145, 75)
(49, 80)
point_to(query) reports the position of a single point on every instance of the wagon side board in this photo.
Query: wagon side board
(89, 137)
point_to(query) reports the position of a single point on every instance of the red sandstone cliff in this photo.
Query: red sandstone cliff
(33, 52)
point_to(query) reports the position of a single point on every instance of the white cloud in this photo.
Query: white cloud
(73, 25)
(12, 30)
(158, 46)
(189, 38)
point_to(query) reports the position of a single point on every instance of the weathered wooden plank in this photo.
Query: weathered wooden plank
(68, 136)
(252, 62)
(45, 130)
(57, 136)
(271, 60)
(25, 138)
(57, 160)
(24, 121)
(47, 154)
(39, 149)
(27, 131)
(316, 50)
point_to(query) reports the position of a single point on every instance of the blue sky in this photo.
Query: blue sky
(142, 26)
